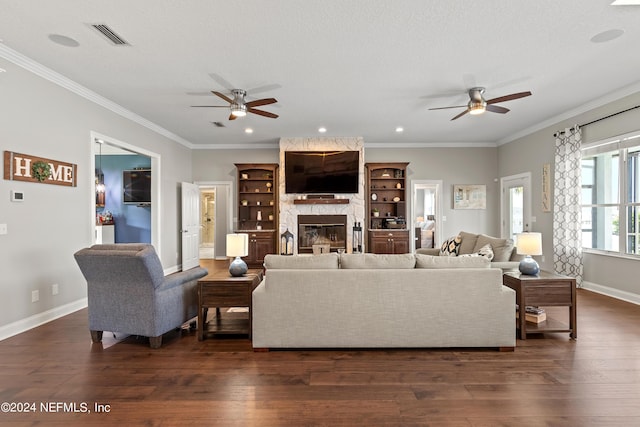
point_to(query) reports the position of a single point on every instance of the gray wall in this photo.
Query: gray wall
(451, 165)
(610, 274)
(40, 118)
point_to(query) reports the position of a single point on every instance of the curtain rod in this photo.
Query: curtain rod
(561, 132)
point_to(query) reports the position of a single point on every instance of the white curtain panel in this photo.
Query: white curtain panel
(567, 224)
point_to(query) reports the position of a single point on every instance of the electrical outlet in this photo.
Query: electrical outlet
(35, 296)
(54, 289)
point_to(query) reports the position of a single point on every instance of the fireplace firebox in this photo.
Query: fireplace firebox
(322, 231)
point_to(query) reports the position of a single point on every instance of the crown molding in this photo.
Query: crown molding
(591, 105)
(461, 144)
(383, 145)
(62, 81)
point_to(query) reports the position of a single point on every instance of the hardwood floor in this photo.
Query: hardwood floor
(547, 381)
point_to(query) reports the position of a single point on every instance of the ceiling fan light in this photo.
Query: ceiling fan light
(238, 110)
(476, 108)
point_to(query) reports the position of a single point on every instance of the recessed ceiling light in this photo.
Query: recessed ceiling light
(248, 130)
(399, 129)
(607, 36)
(322, 129)
(625, 3)
(63, 40)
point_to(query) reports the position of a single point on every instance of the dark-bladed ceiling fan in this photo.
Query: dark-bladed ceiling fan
(478, 105)
(239, 107)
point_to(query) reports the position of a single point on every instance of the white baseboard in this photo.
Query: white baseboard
(612, 292)
(24, 325)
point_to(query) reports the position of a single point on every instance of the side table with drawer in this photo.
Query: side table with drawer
(545, 289)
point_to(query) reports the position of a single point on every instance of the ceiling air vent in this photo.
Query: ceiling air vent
(110, 34)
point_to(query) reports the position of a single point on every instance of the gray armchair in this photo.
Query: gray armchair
(128, 292)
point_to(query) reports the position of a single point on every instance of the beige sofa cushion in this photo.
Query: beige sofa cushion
(429, 261)
(301, 262)
(380, 261)
(468, 244)
(502, 248)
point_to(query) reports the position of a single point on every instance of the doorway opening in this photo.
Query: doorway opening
(105, 144)
(426, 213)
(208, 221)
(216, 218)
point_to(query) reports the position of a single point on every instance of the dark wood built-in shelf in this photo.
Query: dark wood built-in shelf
(321, 201)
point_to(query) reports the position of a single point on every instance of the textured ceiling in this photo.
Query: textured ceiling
(356, 67)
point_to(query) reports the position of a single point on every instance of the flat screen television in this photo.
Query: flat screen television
(136, 186)
(321, 172)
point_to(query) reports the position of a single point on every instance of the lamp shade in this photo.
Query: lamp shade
(529, 243)
(237, 244)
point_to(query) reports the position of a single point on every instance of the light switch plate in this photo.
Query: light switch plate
(3, 229)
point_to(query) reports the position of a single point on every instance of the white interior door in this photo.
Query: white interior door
(190, 225)
(516, 204)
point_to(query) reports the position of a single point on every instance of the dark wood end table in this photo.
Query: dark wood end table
(220, 289)
(544, 289)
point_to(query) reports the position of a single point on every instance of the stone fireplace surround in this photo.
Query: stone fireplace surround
(289, 209)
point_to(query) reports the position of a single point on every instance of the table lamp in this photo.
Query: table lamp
(237, 246)
(529, 244)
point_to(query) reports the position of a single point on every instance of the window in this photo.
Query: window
(611, 195)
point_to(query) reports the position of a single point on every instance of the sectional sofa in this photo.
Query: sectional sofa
(501, 252)
(382, 301)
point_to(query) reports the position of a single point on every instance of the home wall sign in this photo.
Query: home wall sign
(25, 167)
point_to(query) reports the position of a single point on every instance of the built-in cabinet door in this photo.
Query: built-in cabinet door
(400, 245)
(379, 243)
(389, 242)
(260, 244)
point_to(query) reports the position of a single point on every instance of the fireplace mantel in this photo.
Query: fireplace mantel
(321, 201)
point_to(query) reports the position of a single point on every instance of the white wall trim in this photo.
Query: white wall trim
(62, 81)
(612, 292)
(36, 320)
(587, 106)
(390, 145)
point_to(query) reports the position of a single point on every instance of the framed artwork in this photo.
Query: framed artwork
(546, 187)
(469, 196)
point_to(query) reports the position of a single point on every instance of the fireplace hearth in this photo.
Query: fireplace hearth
(322, 231)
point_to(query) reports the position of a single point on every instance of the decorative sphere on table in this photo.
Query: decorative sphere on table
(529, 266)
(238, 267)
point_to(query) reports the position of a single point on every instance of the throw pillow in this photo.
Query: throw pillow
(502, 248)
(486, 251)
(451, 246)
